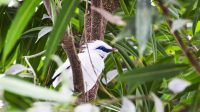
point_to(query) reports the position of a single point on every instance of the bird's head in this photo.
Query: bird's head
(100, 47)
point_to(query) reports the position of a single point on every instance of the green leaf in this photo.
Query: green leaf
(123, 6)
(4, 2)
(18, 24)
(59, 28)
(33, 30)
(152, 73)
(196, 17)
(154, 47)
(27, 89)
(143, 23)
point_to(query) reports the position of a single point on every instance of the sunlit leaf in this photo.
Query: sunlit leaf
(59, 28)
(158, 103)
(143, 23)
(124, 7)
(13, 3)
(41, 107)
(45, 17)
(33, 91)
(127, 106)
(15, 69)
(86, 108)
(152, 73)
(4, 2)
(196, 18)
(110, 76)
(178, 85)
(26, 75)
(43, 32)
(18, 24)
(179, 23)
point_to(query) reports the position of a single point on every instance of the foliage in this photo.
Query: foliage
(148, 57)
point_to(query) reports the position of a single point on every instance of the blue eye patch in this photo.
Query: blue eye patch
(104, 49)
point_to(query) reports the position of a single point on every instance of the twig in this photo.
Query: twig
(36, 55)
(117, 100)
(176, 34)
(31, 68)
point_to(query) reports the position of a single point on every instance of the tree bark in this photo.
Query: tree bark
(69, 47)
(94, 29)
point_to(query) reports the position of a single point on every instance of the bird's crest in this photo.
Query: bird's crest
(92, 45)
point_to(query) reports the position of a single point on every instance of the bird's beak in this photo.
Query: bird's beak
(114, 50)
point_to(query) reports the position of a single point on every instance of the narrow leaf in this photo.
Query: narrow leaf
(15, 69)
(158, 103)
(127, 106)
(86, 108)
(143, 23)
(43, 32)
(18, 24)
(33, 91)
(152, 73)
(196, 17)
(124, 8)
(13, 3)
(179, 23)
(178, 85)
(3, 2)
(59, 28)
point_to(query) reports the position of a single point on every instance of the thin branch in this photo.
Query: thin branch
(112, 101)
(176, 34)
(31, 68)
(69, 47)
(36, 55)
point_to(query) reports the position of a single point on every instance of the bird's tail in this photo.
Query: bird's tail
(52, 80)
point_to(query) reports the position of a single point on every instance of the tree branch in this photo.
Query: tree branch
(176, 34)
(69, 47)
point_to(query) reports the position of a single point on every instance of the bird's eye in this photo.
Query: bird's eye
(103, 49)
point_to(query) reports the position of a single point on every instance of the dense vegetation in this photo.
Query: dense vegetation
(156, 67)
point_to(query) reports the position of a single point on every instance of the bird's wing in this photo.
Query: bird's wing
(56, 77)
(92, 66)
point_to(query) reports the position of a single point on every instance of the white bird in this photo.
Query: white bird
(92, 63)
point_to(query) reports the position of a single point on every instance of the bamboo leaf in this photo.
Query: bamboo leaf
(15, 69)
(152, 73)
(196, 17)
(143, 23)
(18, 25)
(2, 2)
(59, 28)
(43, 32)
(31, 90)
(124, 8)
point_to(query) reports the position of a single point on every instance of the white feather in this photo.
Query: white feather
(92, 65)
